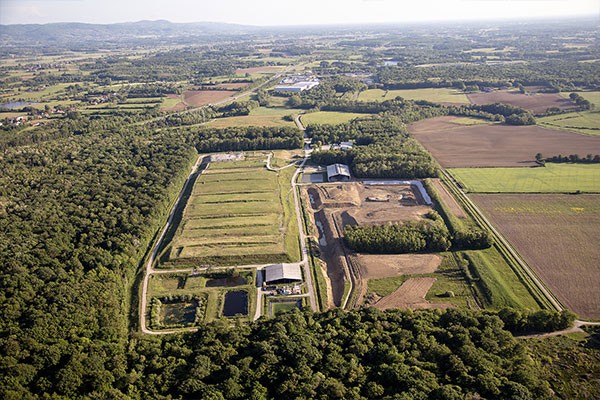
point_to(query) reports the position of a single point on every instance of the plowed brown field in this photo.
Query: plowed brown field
(496, 145)
(558, 237)
(535, 102)
(199, 98)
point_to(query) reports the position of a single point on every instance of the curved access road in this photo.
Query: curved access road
(149, 264)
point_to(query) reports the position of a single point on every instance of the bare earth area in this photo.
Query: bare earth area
(411, 294)
(535, 102)
(496, 145)
(199, 98)
(558, 237)
(448, 199)
(333, 206)
(388, 265)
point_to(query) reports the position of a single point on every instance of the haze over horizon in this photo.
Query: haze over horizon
(277, 13)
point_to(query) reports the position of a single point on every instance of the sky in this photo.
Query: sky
(286, 12)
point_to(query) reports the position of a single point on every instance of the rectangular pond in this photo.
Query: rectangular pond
(236, 303)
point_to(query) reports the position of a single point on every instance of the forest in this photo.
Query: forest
(383, 149)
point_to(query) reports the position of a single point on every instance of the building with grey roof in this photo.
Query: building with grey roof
(282, 273)
(338, 173)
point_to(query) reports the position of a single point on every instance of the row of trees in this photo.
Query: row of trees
(428, 235)
(572, 158)
(248, 138)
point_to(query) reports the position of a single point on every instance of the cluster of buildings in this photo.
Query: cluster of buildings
(297, 83)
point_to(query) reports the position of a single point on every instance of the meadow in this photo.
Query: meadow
(587, 122)
(435, 95)
(329, 117)
(553, 178)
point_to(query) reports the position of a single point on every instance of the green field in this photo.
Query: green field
(554, 178)
(329, 117)
(435, 95)
(261, 116)
(593, 97)
(470, 121)
(238, 216)
(587, 122)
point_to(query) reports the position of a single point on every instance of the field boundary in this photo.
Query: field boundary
(532, 282)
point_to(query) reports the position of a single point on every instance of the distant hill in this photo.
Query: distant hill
(80, 35)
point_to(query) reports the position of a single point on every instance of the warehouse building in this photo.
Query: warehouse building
(282, 273)
(338, 173)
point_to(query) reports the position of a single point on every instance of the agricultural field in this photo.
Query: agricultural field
(557, 235)
(435, 95)
(179, 291)
(553, 178)
(592, 97)
(534, 102)
(329, 117)
(587, 122)
(496, 145)
(197, 98)
(239, 213)
(173, 102)
(261, 116)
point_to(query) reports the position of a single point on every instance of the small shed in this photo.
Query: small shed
(338, 173)
(283, 273)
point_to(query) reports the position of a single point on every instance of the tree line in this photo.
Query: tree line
(426, 235)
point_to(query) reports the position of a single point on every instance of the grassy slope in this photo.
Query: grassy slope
(554, 178)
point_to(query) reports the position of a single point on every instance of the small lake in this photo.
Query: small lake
(16, 104)
(235, 303)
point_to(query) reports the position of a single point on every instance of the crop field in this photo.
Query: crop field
(329, 117)
(199, 98)
(496, 145)
(261, 116)
(172, 102)
(587, 122)
(557, 236)
(238, 214)
(435, 95)
(553, 178)
(536, 103)
(212, 286)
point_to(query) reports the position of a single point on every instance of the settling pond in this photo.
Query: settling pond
(235, 303)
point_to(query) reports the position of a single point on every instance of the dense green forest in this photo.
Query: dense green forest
(366, 354)
(383, 149)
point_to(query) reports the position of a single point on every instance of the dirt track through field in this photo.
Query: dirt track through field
(411, 294)
(448, 199)
(496, 145)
